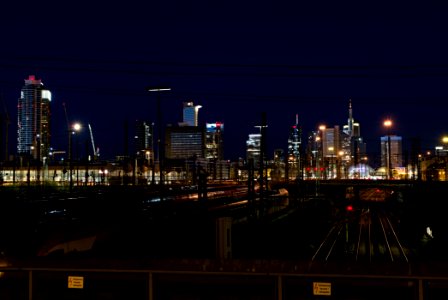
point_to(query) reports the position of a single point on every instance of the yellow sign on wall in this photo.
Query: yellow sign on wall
(75, 282)
(322, 288)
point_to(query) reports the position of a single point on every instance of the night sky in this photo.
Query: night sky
(235, 59)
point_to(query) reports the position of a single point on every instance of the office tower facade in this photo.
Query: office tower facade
(214, 141)
(331, 141)
(33, 119)
(253, 148)
(185, 142)
(331, 148)
(395, 156)
(191, 114)
(352, 128)
(294, 149)
(352, 142)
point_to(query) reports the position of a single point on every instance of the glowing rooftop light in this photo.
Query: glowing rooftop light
(77, 127)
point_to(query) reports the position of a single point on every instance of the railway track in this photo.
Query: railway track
(367, 236)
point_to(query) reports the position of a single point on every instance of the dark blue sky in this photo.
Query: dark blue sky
(235, 59)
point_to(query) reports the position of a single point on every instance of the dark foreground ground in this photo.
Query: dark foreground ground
(146, 251)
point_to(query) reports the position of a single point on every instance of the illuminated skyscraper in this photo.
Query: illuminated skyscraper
(191, 114)
(33, 119)
(395, 151)
(213, 141)
(253, 148)
(185, 142)
(352, 128)
(294, 147)
(352, 142)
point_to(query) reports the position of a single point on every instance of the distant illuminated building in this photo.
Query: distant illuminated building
(185, 142)
(253, 148)
(331, 146)
(441, 151)
(352, 128)
(352, 142)
(278, 156)
(191, 114)
(395, 151)
(214, 141)
(33, 119)
(331, 141)
(294, 148)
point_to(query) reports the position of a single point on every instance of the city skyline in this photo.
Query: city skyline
(282, 59)
(181, 112)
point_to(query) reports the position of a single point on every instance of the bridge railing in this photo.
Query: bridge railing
(212, 282)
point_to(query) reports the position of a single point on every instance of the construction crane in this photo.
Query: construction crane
(95, 150)
(66, 117)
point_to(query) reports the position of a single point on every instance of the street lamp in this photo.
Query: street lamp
(76, 127)
(316, 155)
(339, 162)
(445, 155)
(160, 145)
(323, 168)
(388, 124)
(331, 163)
(38, 158)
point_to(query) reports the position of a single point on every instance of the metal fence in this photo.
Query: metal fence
(71, 283)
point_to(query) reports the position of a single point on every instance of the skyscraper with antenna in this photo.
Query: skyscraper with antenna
(294, 149)
(353, 146)
(352, 128)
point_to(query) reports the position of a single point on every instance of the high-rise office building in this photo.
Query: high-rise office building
(253, 148)
(294, 148)
(185, 142)
(33, 119)
(353, 144)
(352, 128)
(213, 141)
(191, 114)
(395, 156)
(324, 151)
(331, 141)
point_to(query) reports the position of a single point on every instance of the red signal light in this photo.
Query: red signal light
(349, 208)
